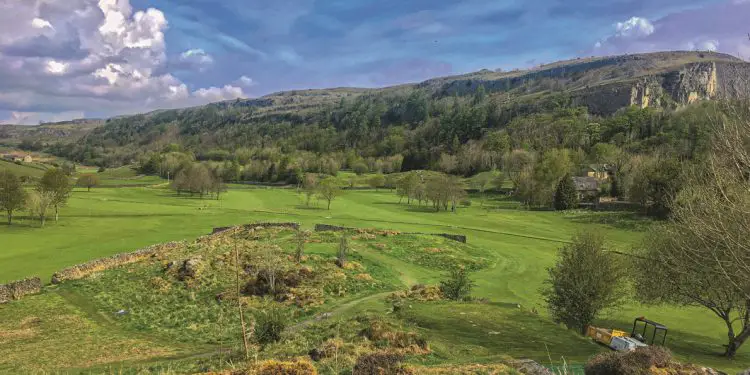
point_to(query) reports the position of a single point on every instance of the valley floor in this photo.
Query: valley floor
(522, 244)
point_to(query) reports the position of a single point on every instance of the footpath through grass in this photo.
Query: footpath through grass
(521, 245)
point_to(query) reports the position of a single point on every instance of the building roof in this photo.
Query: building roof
(597, 167)
(586, 183)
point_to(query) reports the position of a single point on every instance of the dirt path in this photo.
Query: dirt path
(337, 311)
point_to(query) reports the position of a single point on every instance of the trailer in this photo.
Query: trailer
(622, 341)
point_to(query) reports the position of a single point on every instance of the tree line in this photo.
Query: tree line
(45, 198)
(456, 134)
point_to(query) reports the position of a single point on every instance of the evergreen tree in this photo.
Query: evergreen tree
(614, 188)
(566, 196)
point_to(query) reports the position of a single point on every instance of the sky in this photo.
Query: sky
(66, 59)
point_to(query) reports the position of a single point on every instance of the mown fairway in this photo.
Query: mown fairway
(523, 243)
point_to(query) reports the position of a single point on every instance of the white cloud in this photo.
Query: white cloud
(113, 61)
(196, 57)
(246, 81)
(703, 45)
(34, 118)
(215, 94)
(635, 27)
(39, 23)
(55, 67)
(684, 30)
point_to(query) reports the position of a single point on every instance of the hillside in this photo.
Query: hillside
(174, 306)
(419, 122)
(13, 135)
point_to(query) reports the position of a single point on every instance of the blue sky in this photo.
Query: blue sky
(105, 57)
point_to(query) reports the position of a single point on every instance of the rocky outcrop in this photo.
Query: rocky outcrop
(689, 84)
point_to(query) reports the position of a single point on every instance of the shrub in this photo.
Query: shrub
(585, 281)
(160, 284)
(458, 286)
(379, 363)
(636, 362)
(384, 335)
(273, 367)
(360, 168)
(269, 325)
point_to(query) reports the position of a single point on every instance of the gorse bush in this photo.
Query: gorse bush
(458, 285)
(269, 325)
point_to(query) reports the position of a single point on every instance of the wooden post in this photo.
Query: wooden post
(239, 301)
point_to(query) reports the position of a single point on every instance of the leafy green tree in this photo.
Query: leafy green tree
(584, 281)
(407, 185)
(654, 183)
(444, 191)
(12, 194)
(55, 183)
(516, 162)
(376, 181)
(329, 189)
(482, 182)
(360, 168)
(566, 196)
(88, 181)
(458, 285)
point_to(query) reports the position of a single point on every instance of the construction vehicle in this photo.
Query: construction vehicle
(621, 341)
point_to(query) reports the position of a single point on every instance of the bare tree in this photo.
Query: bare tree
(38, 203)
(88, 181)
(310, 186)
(703, 253)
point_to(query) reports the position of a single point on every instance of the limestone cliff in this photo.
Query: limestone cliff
(607, 84)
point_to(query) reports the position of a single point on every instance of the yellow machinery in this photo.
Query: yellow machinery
(614, 339)
(603, 335)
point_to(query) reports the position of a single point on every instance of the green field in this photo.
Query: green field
(520, 244)
(24, 169)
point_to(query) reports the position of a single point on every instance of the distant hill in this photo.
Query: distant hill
(602, 85)
(47, 132)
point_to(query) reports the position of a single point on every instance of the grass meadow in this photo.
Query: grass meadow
(519, 245)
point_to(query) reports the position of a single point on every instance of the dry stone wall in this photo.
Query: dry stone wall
(294, 226)
(334, 228)
(18, 289)
(82, 270)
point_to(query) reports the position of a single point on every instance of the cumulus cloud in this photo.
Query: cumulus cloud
(34, 118)
(245, 81)
(635, 27)
(713, 27)
(73, 56)
(196, 58)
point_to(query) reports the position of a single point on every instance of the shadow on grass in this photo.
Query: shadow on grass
(309, 208)
(117, 216)
(630, 221)
(21, 222)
